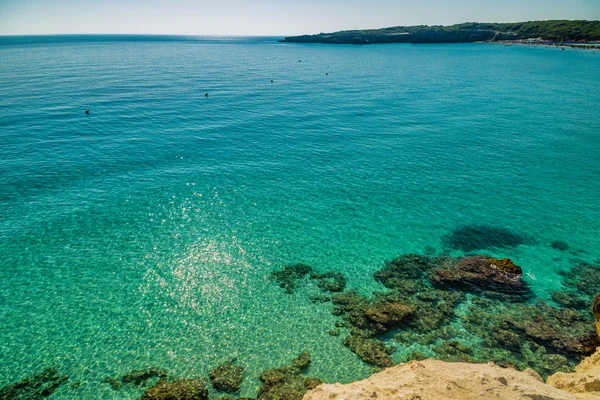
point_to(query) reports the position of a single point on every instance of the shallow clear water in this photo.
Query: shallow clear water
(143, 234)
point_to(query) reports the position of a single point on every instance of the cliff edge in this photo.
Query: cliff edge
(434, 380)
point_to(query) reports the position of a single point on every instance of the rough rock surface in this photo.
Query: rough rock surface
(434, 380)
(584, 382)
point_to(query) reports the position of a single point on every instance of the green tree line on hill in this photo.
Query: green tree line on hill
(551, 30)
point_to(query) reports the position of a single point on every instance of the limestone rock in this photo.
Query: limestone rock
(432, 380)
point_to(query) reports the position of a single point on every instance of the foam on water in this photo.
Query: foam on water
(144, 233)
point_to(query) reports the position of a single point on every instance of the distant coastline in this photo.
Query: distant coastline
(551, 32)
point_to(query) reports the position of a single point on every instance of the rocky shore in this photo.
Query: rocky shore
(433, 379)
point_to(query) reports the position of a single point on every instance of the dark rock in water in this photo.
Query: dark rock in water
(434, 309)
(395, 273)
(36, 387)
(417, 355)
(181, 389)
(583, 279)
(227, 377)
(482, 274)
(537, 336)
(289, 275)
(287, 382)
(454, 351)
(371, 351)
(330, 281)
(136, 378)
(559, 245)
(302, 361)
(569, 300)
(370, 318)
(384, 316)
(320, 299)
(481, 237)
(310, 383)
(141, 376)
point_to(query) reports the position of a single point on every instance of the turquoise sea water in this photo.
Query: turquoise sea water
(143, 234)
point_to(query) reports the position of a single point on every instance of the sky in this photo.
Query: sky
(269, 17)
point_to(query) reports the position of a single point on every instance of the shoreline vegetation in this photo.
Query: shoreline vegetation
(580, 34)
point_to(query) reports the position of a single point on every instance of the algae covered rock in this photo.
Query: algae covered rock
(287, 382)
(395, 273)
(371, 318)
(369, 350)
(181, 389)
(35, 387)
(483, 274)
(330, 281)
(136, 377)
(583, 279)
(227, 377)
(289, 276)
(569, 300)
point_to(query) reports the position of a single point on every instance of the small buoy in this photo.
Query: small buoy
(299, 60)
(327, 73)
(271, 80)
(206, 95)
(87, 111)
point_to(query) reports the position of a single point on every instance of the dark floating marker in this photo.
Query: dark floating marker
(87, 111)
(206, 95)
(327, 73)
(271, 80)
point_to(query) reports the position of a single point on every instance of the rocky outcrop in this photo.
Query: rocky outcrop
(181, 389)
(287, 382)
(584, 382)
(227, 377)
(432, 379)
(482, 274)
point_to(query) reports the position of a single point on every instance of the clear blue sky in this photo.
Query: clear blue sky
(269, 17)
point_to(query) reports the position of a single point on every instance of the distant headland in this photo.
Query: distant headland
(555, 30)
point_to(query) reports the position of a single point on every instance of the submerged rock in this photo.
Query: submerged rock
(38, 386)
(369, 350)
(289, 276)
(569, 300)
(407, 267)
(559, 245)
(137, 377)
(371, 318)
(227, 377)
(181, 389)
(330, 281)
(482, 237)
(483, 274)
(287, 382)
(583, 279)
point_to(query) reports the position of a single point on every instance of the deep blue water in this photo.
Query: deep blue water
(143, 233)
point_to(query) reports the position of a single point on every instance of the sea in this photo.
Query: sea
(144, 233)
